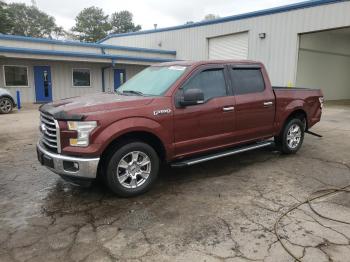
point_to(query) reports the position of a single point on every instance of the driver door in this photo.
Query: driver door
(209, 125)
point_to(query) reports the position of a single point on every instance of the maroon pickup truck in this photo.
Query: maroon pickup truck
(181, 113)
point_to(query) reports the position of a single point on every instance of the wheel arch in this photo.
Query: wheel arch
(142, 136)
(9, 97)
(298, 113)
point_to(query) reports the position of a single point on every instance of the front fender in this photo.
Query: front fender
(127, 125)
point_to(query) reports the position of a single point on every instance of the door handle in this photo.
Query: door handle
(266, 104)
(228, 108)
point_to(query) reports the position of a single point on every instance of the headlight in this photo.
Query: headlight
(321, 99)
(83, 129)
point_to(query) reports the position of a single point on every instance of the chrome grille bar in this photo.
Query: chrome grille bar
(44, 120)
(50, 132)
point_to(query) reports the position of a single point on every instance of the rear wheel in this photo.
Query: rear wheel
(132, 169)
(292, 136)
(6, 105)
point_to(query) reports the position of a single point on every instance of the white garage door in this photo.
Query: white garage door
(233, 46)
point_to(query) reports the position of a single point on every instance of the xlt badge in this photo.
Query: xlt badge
(162, 111)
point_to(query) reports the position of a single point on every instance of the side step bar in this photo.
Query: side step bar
(193, 161)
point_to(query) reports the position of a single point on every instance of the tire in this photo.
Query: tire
(292, 137)
(6, 105)
(132, 169)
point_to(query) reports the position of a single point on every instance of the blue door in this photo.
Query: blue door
(119, 78)
(43, 88)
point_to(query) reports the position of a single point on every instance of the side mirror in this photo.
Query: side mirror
(192, 97)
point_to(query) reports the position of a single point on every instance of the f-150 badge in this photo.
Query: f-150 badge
(162, 112)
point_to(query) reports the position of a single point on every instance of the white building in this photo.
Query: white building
(305, 44)
(44, 70)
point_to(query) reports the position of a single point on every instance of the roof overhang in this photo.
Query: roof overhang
(27, 39)
(29, 48)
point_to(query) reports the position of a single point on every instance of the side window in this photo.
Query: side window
(211, 82)
(247, 81)
(81, 77)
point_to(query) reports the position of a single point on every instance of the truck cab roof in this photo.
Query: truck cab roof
(206, 62)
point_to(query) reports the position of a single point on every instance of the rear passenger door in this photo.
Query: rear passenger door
(208, 125)
(255, 103)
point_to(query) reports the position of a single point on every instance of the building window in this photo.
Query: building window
(16, 75)
(81, 77)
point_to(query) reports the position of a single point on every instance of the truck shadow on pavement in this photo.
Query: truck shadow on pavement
(66, 198)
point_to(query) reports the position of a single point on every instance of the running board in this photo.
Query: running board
(193, 161)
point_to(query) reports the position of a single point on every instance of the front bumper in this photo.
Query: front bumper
(74, 167)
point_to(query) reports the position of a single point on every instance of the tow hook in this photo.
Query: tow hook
(312, 133)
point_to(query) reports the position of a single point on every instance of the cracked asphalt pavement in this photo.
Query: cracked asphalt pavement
(223, 210)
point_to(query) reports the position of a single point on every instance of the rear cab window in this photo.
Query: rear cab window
(247, 80)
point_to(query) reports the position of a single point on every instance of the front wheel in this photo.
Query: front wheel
(132, 169)
(292, 136)
(6, 105)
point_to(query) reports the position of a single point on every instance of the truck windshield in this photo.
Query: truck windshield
(152, 81)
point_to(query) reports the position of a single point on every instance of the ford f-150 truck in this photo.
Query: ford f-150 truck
(181, 113)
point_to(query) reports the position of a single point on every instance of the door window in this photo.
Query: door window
(211, 82)
(247, 80)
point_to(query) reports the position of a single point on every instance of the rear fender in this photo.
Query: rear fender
(285, 112)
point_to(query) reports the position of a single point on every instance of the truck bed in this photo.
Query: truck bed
(307, 99)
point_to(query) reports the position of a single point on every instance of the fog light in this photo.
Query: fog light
(70, 166)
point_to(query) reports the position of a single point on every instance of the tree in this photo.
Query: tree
(121, 22)
(5, 21)
(210, 17)
(91, 24)
(30, 21)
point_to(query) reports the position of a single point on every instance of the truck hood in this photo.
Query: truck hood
(76, 108)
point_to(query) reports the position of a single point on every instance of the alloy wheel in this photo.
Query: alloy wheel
(294, 136)
(5, 105)
(133, 169)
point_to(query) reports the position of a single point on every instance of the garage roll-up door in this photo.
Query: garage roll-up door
(233, 46)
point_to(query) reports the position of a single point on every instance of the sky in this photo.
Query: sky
(164, 13)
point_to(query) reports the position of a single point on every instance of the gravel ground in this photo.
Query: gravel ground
(222, 210)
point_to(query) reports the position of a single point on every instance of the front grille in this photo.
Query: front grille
(49, 132)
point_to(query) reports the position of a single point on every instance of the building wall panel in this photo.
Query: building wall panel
(278, 51)
(61, 77)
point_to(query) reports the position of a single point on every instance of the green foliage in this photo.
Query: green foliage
(30, 21)
(5, 21)
(91, 24)
(121, 22)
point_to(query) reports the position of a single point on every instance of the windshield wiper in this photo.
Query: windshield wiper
(133, 92)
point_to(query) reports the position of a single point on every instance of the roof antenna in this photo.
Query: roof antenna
(155, 26)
